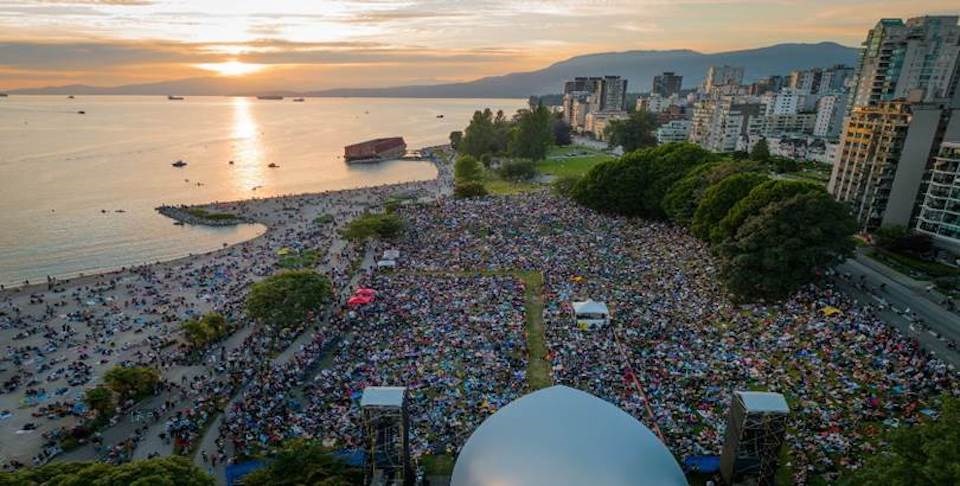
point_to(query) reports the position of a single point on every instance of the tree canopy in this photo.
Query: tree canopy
(467, 169)
(131, 382)
(717, 200)
(758, 198)
(635, 184)
(921, 455)
(533, 133)
(302, 463)
(783, 245)
(683, 197)
(167, 471)
(760, 151)
(288, 298)
(635, 132)
(486, 134)
(374, 225)
(204, 330)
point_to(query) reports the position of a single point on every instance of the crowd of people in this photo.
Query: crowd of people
(449, 322)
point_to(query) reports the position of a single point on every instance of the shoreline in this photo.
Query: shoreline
(87, 278)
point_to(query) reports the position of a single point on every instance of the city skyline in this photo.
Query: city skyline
(373, 43)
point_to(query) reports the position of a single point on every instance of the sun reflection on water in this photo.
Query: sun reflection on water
(248, 168)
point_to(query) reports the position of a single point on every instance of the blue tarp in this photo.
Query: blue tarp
(354, 457)
(702, 464)
(237, 471)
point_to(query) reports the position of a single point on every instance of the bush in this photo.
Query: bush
(465, 190)
(384, 226)
(566, 184)
(518, 170)
(305, 463)
(467, 169)
(101, 399)
(287, 299)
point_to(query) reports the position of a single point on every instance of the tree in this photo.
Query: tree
(456, 137)
(101, 399)
(533, 134)
(635, 132)
(784, 245)
(717, 200)
(635, 184)
(132, 382)
(371, 225)
(924, 454)
(466, 189)
(480, 137)
(758, 198)
(682, 198)
(760, 151)
(302, 463)
(518, 170)
(561, 132)
(288, 298)
(467, 168)
(167, 471)
(205, 330)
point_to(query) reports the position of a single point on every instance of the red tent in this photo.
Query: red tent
(358, 300)
(365, 292)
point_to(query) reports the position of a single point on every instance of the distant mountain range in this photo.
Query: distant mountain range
(638, 67)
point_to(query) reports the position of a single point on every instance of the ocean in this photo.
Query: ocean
(78, 191)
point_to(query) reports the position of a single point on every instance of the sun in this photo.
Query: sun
(231, 68)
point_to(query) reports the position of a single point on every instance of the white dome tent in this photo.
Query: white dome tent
(561, 436)
(591, 313)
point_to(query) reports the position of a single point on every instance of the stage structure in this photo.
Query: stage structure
(756, 427)
(386, 436)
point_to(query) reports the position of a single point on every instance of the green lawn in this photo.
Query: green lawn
(538, 368)
(499, 186)
(571, 166)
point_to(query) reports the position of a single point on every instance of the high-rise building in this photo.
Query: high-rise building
(916, 58)
(720, 124)
(719, 76)
(904, 98)
(667, 84)
(585, 95)
(673, 131)
(940, 213)
(613, 94)
(884, 154)
(830, 111)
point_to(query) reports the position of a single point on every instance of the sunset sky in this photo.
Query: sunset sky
(316, 44)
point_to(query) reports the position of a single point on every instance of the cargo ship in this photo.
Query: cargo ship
(375, 150)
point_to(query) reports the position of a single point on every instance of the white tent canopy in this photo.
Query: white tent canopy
(591, 313)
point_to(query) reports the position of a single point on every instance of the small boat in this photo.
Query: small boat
(70, 97)
(179, 163)
(175, 98)
(273, 166)
(440, 116)
(298, 100)
(3, 95)
(231, 162)
(269, 97)
(120, 211)
(178, 223)
(81, 112)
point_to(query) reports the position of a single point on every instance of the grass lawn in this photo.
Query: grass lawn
(538, 369)
(571, 166)
(499, 186)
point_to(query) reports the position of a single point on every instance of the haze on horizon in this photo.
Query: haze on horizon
(320, 44)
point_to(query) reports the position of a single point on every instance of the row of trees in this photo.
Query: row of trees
(528, 135)
(772, 236)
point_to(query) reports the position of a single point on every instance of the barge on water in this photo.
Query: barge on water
(375, 150)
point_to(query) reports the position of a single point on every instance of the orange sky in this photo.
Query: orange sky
(316, 44)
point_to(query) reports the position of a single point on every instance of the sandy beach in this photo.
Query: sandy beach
(60, 338)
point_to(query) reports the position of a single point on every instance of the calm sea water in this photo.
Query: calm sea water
(60, 169)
